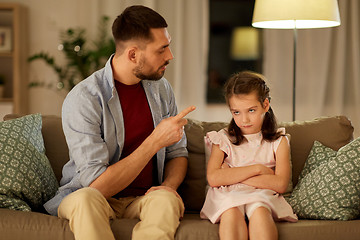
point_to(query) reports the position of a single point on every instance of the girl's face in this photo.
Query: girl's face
(248, 112)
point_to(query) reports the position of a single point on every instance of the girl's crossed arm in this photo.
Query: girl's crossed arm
(218, 176)
(280, 180)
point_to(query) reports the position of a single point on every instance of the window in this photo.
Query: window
(234, 45)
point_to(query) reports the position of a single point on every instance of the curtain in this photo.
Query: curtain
(327, 70)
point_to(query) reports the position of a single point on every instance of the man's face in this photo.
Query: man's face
(155, 56)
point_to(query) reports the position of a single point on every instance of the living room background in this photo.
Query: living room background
(328, 60)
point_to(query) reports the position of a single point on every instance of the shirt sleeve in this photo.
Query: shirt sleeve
(178, 149)
(82, 121)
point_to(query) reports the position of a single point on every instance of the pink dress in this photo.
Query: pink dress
(254, 151)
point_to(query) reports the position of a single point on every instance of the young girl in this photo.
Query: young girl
(249, 165)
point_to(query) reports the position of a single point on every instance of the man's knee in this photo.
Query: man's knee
(87, 195)
(83, 199)
(164, 196)
(166, 199)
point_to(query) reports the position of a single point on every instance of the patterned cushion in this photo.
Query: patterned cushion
(318, 155)
(329, 185)
(26, 177)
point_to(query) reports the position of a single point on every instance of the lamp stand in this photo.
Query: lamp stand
(294, 73)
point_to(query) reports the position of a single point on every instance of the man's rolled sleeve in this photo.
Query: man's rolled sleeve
(177, 150)
(82, 129)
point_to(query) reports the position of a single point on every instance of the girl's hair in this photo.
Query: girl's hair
(247, 82)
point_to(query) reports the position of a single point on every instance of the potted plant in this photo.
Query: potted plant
(83, 58)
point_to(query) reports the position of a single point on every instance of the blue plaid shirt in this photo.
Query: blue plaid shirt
(93, 126)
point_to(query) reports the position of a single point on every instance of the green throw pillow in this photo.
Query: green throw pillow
(318, 155)
(27, 180)
(329, 185)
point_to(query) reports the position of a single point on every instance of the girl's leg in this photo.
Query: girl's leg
(233, 225)
(262, 225)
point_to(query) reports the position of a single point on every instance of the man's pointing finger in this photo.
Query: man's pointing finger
(185, 112)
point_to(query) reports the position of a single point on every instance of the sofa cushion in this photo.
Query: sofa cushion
(319, 154)
(303, 134)
(18, 225)
(329, 186)
(26, 177)
(333, 132)
(54, 140)
(192, 189)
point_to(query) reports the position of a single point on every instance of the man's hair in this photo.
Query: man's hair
(135, 22)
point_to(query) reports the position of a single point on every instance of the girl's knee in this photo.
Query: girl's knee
(233, 224)
(235, 213)
(262, 211)
(261, 214)
(258, 208)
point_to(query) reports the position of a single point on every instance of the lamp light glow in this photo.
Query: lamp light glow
(244, 43)
(295, 14)
(300, 14)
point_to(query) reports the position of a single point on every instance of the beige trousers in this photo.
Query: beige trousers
(89, 214)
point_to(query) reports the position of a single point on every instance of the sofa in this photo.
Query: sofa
(333, 132)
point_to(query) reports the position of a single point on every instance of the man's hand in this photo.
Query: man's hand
(171, 130)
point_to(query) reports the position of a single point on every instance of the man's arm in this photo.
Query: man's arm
(119, 175)
(175, 171)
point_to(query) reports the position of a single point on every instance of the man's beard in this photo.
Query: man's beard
(152, 76)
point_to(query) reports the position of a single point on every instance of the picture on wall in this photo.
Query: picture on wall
(5, 39)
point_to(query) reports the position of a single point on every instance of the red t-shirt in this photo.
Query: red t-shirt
(138, 125)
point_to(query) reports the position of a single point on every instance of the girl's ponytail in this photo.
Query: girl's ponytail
(270, 128)
(235, 131)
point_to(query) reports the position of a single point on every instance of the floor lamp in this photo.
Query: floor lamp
(295, 14)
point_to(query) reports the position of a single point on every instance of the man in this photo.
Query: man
(117, 156)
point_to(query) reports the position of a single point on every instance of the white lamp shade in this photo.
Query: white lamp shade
(289, 14)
